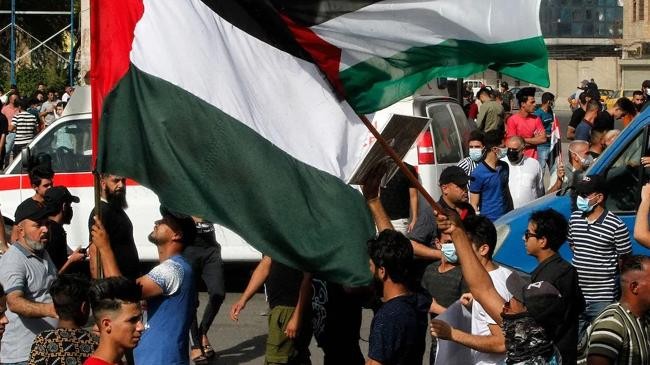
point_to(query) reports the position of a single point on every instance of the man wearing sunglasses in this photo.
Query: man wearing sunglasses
(546, 233)
(599, 240)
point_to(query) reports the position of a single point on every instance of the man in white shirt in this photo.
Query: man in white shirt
(526, 178)
(487, 340)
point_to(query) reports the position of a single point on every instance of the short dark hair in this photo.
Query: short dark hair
(551, 225)
(68, 292)
(484, 90)
(625, 105)
(633, 263)
(593, 104)
(25, 103)
(493, 138)
(480, 230)
(546, 97)
(109, 294)
(638, 92)
(524, 93)
(38, 173)
(392, 251)
(645, 83)
(477, 135)
(583, 97)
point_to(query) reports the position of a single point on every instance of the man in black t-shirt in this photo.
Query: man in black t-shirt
(605, 119)
(547, 231)
(58, 201)
(289, 296)
(400, 200)
(204, 254)
(118, 226)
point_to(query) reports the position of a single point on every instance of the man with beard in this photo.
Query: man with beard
(26, 273)
(168, 289)
(525, 180)
(58, 202)
(118, 226)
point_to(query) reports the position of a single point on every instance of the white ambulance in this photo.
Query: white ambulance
(68, 142)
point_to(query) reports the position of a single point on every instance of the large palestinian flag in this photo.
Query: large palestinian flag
(378, 52)
(215, 107)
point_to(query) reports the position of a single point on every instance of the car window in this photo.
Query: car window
(69, 146)
(445, 136)
(628, 93)
(624, 175)
(465, 127)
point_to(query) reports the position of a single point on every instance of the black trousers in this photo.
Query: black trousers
(207, 265)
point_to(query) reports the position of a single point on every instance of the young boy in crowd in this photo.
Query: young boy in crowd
(115, 303)
(69, 341)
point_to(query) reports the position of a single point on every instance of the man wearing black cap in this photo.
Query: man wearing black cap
(26, 273)
(527, 318)
(168, 288)
(453, 186)
(58, 202)
(599, 239)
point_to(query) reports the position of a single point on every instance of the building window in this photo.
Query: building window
(641, 9)
(633, 10)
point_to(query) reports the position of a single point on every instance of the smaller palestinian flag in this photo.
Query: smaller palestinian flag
(378, 52)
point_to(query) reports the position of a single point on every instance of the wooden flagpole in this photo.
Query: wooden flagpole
(409, 175)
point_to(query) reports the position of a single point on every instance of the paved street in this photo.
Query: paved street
(243, 342)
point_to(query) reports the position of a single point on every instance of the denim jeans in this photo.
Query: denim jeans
(543, 151)
(592, 310)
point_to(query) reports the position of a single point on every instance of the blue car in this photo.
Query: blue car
(620, 163)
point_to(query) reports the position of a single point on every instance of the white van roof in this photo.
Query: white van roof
(79, 102)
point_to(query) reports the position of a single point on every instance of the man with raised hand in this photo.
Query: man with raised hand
(168, 289)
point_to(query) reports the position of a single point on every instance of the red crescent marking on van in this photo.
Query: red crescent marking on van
(69, 180)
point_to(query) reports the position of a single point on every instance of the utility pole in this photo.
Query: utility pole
(84, 48)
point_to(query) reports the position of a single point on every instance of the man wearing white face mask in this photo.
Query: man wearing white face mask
(599, 240)
(489, 192)
(476, 144)
(579, 162)
(443, 280)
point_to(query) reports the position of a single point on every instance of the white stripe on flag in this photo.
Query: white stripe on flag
(284, 99)
(389, 27)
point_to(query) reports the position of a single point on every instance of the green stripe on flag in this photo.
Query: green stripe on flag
(201, 161)
(379, 82)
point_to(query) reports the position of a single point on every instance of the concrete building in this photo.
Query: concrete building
(635, 62)
(584, 39)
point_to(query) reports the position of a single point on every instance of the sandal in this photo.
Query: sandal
(208, 351)
(201, 359)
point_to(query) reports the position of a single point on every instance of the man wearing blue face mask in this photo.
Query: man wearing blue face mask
(489, 192)
(476, 146)
(599, 240)
(443, 280)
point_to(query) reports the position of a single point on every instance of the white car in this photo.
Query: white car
(68, 142)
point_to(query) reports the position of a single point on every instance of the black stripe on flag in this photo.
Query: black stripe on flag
(312, 12)
(261, 20)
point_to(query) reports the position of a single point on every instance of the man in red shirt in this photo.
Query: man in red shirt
(525, 124)
(115, 303)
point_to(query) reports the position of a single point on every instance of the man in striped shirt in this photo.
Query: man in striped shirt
(476, 146)
(25, 125)
(599, 239)
(620, 335)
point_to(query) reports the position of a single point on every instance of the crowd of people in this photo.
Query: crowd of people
(22, 117)
(95, 306)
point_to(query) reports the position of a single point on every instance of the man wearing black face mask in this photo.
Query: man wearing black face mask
(58, 202)
(525, 179)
